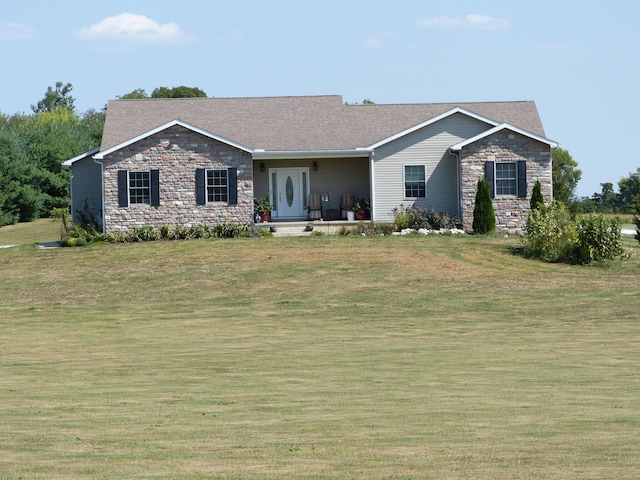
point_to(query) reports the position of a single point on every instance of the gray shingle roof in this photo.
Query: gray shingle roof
(297, 123)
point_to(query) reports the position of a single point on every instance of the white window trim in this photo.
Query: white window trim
(515, 180)
(404, 180)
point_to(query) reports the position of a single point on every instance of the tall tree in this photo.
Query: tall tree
(178, 92)
(607, 200)
(565, 175)
(54, 99)
(137, 94)
(630, 193)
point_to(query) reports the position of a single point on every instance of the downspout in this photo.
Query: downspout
(104, 226)
(372, 203)
(458, 181)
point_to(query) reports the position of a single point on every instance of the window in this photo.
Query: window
(139, 187)
(414, 181)
(506, 179)
(217, 186)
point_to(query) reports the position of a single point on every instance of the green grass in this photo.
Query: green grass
(40, 231)
(325, 357)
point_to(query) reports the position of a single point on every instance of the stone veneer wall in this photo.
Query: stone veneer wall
(176, 153)
(505, 146)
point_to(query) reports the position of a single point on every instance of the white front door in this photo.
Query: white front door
(290, 187)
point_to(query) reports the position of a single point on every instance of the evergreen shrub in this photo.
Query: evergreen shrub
(484, 217)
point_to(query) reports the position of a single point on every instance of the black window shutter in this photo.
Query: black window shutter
(201, 197)
(123, 188)
(522, 178)
(155, 187)
(489, 170)
(232, 175)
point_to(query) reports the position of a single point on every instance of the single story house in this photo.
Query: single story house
(194, 161)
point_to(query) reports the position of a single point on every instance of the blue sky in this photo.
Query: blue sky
(579, 61)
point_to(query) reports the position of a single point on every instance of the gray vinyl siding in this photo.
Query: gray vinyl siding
(334, 176)
(86, 188)
(428, 146)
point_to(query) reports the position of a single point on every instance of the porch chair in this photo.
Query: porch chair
(346, 204)
(315, 207)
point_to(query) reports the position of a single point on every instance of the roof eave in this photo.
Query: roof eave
(310, 154)
(71, 161)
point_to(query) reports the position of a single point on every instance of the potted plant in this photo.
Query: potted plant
(361, 208)
(262, 207)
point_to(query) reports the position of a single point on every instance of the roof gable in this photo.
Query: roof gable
(503, 126)
(431, 121)
(167, 125)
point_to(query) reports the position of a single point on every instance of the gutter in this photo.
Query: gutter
(310, 154)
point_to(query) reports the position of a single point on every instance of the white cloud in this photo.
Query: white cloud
(16, 31)
(379, 39)
(468, 21)
(129, 27)
(373, 43)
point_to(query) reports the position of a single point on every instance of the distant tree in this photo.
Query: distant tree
(366, 101)
(630, 193)
(607, 200)
(537, 200)
(565, 175)
(178, 92)
(484, 218)
(137, 94)
(54, 99)
(93, 122)
(20, 200)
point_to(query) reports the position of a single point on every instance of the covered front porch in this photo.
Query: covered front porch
(303, 188)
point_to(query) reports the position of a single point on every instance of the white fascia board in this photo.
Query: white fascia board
(172, 123)
(432, 121)
(310, 154)
(503, 126)
(71, 161)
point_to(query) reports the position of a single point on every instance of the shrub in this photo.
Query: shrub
(553, 236)
(416, 218)
(551, 233)
(537, 200)
(142, 234)
(484, 218)
(164, 232)
(599, 238)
